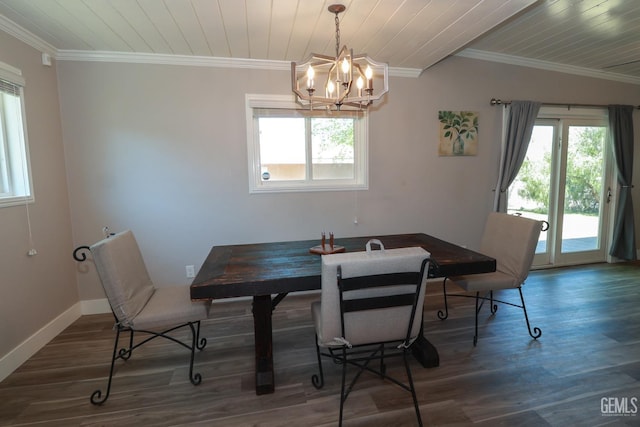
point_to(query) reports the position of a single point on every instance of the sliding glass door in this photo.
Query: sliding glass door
(565, 180)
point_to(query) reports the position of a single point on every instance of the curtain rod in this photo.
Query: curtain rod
(495, 101)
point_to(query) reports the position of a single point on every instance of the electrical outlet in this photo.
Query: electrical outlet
(191, 272)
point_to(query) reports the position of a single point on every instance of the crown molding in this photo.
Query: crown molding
(199, 61)
(25, 36)
(164, 59)
(546, 65)
(412, 73)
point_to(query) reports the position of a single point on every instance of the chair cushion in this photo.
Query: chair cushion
(486, 281)
(170, 306)
(123, 274)
(512, 241)
(373, 325)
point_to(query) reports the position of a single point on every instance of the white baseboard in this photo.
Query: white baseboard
(16, 357)
(95, 306)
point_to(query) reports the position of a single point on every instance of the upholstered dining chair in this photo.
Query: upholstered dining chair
(370, 310)
(511, 240)
(138, 306)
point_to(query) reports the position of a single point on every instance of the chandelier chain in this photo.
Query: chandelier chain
(337, 35)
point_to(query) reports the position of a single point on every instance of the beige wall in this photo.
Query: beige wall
(35, 290)
(162, 150)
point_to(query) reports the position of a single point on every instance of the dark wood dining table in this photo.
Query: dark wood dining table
(269, 271)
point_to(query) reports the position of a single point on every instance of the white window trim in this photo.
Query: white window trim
(257, 185)
(591, 113)
(14, 75)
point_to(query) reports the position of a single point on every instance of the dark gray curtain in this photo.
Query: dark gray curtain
(621, 130)
(519, 120)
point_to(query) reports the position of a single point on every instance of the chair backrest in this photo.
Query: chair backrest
(123, 274)
(512, 241)
(390, 285)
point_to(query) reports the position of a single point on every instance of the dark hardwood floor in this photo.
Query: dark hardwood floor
(589, 351)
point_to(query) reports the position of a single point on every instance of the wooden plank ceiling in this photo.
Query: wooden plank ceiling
(598, 35)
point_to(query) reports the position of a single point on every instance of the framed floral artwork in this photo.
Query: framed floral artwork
(458, 133)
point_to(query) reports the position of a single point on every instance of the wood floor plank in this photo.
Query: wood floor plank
(589, 350)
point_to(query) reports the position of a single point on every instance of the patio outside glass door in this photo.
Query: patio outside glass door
(565, 180)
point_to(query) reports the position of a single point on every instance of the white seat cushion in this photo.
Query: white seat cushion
(133, 298)
(123, 274)
(372, 325)
(512, 241)
(481, 282)
(168, 307)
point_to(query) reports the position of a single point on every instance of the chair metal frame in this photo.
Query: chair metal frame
(535, 333)
(97, 398)
(361, 355)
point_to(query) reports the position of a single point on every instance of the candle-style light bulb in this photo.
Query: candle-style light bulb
(330, 87)
(310, 75)
(368, 73)
(345, 69)
(359, 85)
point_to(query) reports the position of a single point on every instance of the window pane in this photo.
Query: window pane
(583, 190)
(4, 175)
(293, 149)
(529, 193)
(332, 142)
(282, 148)
(14, 175)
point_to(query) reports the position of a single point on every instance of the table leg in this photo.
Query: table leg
(262, 332)
(424, 351)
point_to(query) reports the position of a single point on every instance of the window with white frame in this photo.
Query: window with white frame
(15, 179)
(292, 149)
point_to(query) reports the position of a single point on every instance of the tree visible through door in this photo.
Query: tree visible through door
(564, 180)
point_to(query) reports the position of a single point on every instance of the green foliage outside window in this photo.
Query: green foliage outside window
(583, 178)
(334, 136)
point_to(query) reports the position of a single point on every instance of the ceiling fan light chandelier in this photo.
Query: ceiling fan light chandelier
(346, 80)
